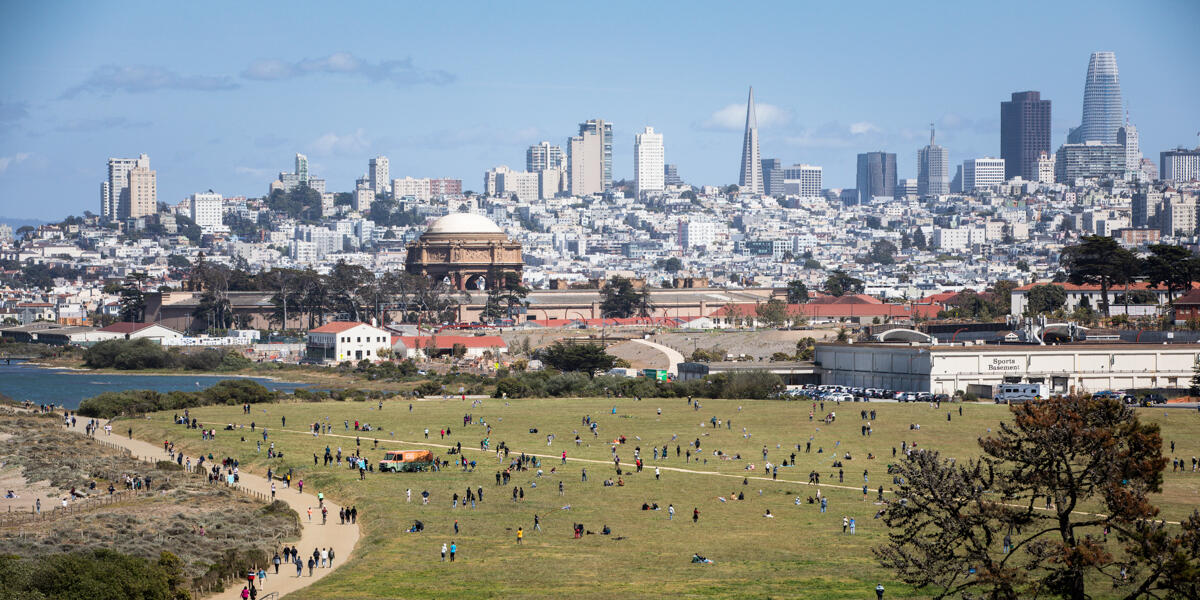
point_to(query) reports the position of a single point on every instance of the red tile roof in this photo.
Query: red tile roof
(336, 327)
(1191, 298)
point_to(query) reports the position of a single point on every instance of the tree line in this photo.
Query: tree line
(350, 292)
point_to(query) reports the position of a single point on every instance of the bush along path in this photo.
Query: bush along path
(314, 535)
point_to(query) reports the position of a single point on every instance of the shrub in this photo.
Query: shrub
(131, 402)
(95, 574)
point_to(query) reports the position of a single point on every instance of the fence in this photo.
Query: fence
(10, 518)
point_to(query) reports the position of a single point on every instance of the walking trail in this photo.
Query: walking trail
(341, 538)
(673, 356)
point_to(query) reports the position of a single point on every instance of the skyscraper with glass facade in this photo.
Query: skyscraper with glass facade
(933, 169)
(1024, 134)
(1102, 112)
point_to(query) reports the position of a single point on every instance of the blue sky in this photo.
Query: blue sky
(221, 95)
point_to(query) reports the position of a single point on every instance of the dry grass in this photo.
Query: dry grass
(169, 519)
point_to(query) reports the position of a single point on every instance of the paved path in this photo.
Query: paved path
(342, 538)
(673, 356)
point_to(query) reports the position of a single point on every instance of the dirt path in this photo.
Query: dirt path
(341, 538)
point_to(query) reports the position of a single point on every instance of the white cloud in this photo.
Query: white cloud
(332, 143)
(399, 72)
(7, 161)
(863, 127)
(733, 117)
(109, 79)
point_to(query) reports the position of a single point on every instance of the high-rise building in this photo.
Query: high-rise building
(542, 156)
(648, 162)
(1024, 134)
(802, 180)
(1102, 110)
(1090, 160)
(590, 158)
(772, 174)
(750, 180)
(933, 169)
(907, 188)
(206, 209)
(1127, 138)
(1045, 168)
(409, 187)
(1144, 207)
(876, 176)
(378, 172)
(142, 193)
(302, 168)
(982, 173)
(522, 184)
(1178, 216)
(671, 175)
(114, 194)
(1179, 165)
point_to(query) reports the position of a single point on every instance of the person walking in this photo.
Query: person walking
(845, 524)
(520, 535)
(276, 562)
(695, 515)
(670, 512)
(656, 474)
(879, 589)
(537, 523)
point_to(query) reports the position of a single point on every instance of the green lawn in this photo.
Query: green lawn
(799, 553)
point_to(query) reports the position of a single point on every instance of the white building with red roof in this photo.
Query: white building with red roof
(346, 341)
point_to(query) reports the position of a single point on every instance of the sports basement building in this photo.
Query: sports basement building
(945, 369)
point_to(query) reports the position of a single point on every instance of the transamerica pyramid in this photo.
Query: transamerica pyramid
(750, 180)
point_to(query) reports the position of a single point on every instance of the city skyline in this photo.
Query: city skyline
(232, 119)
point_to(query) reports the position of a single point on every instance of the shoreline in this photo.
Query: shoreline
(160, 373)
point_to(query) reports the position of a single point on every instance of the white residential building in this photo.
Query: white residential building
(696, 233)
(951, 240)
(412, 188)
(982, 173)
(346, 341)
(363, 197)
(522, 184)
(543, 156)
(802, 180)
(377, 170)
(115, 193)
(648, 162)
(206, 210)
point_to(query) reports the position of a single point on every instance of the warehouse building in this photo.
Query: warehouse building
(1065, 368)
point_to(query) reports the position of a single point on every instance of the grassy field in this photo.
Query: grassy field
(798, 553)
